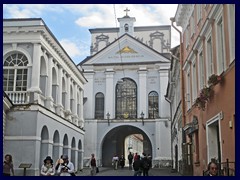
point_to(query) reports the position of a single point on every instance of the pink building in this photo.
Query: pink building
(208, 85)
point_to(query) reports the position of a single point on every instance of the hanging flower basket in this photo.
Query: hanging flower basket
(200, 103)
(204, 96)
(214, 79)
(206, 93)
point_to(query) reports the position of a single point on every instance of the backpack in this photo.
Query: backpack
(145, 164)
(130, 156)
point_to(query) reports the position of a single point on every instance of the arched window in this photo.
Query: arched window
(99, 106)
(126, 27)
(153, 105)
(126, 99)
(15, 72)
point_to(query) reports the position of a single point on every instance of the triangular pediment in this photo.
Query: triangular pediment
(126, 49)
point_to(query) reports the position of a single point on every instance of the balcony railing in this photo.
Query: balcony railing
(18, 97)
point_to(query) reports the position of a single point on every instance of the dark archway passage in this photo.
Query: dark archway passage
(113, 142)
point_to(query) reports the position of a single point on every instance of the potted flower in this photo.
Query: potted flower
(206, 93)
(214, 79)
(203, 97)
(200, 103)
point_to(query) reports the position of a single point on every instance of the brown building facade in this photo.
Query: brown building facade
(208, 83)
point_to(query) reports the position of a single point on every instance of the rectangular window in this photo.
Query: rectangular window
(187, 36)
(232, 31)
(209, 59)
(201, 72)
(192, 23)
(194, 82)
(188, 91)
(199, 12)
(220, 47)
(196, 147)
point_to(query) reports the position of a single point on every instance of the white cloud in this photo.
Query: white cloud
(24, 10)
(70, 47)
(103, 15)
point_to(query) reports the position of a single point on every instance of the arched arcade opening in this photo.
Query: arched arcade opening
(114, 143)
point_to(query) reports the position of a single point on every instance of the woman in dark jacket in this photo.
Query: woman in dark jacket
(137, 166)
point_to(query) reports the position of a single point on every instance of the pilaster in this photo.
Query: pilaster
(109, 99)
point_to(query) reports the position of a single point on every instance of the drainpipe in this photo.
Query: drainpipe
(181, 77)
(181, 72)
(169, 101)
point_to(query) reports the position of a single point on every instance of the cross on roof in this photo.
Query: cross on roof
(126, 11)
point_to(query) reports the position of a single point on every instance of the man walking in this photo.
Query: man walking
(130, 160)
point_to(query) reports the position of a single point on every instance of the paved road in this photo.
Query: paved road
(104, 171)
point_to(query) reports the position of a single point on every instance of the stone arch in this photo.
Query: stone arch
(126, 99)
(54, 85)
(19, 49)
(71, 98)
(113, 142)
(44, 150)
(78, 104)
(65, 144)
(64, 92)
(80, 155)
(43, 75)
(56, 145)
(73, 150)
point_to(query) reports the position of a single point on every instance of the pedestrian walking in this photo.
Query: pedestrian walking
(8, 166)
(130, 160)
(122, 161)
(47, 168)
(115, 162)
(93, 165)
(137, 166)
(135, 156)
(66, 168)
(146, 164)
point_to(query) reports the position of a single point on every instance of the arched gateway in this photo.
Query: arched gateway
(113, 142)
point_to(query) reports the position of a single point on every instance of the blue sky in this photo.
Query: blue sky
(70, 22)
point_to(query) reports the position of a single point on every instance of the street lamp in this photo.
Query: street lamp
(108, 116)
(142, 116)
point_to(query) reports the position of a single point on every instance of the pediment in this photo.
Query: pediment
(126, 50)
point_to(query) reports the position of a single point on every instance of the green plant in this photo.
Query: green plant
(214, 79)
(203, 97)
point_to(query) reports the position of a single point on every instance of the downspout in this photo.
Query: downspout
(169, 101)
(181, 73)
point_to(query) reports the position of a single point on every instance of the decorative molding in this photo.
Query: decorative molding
(183, 14)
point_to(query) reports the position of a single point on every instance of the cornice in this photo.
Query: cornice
(184, 11)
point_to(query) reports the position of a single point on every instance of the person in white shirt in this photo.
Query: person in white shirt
(48, 168)
(66, 168)
(115, 162)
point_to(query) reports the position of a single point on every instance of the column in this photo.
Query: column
(75, 116)
(49, 101)
(67, 108)
(88, 92)
(35, 90)
(75, 99)
(81, 120)
(76, 159)
(142, 95)
(164, 106)
(109, 99)
(35, 81)
(59, 102)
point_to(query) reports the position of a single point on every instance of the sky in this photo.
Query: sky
(70, 23)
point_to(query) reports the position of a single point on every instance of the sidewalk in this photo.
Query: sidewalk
(108, 171)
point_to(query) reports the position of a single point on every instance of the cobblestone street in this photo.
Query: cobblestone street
(107, 171)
